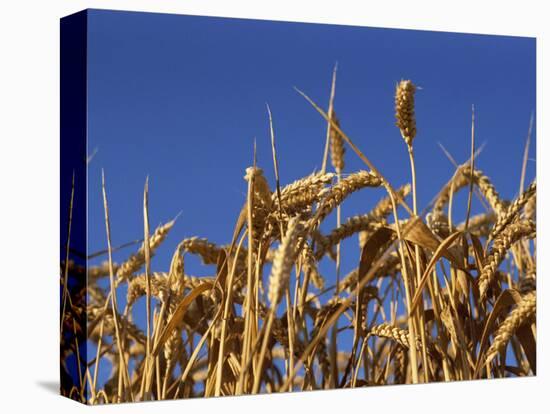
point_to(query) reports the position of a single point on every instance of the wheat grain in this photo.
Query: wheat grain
(302, 194)
(522, 314)
(334, 196)
(460, 179)
(513, 210)
(404, 110)
(282, 263)
(137, 287)
(337, 148)
(136, 261)
(262, 193)
(511, 234)
(399, 335)
(352, 226)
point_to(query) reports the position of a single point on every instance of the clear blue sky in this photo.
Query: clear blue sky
(181, 98)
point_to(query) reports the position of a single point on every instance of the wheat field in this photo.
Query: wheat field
(430, 299)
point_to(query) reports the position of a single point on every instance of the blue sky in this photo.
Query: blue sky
(181, 99)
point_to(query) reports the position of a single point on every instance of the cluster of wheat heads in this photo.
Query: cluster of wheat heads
(430, 300)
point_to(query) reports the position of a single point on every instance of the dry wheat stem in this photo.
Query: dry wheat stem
(122, 359)
(66, 295)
